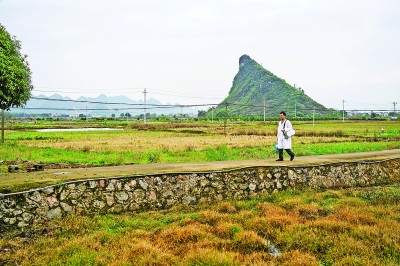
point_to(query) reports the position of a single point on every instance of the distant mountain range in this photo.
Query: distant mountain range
(254, 86)
(101, 105)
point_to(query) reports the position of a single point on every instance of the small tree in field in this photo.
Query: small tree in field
(15, 75)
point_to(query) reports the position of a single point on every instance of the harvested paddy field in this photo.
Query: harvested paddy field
(187, 142)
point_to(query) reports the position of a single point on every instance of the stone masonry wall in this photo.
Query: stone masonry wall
(161, 191)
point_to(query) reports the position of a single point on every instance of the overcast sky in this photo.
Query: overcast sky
(188, 51)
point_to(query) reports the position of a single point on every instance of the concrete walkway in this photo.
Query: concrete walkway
(23, 180)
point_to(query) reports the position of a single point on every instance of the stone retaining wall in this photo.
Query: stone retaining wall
(161, 191)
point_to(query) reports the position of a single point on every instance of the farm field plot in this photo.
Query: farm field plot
(346, 227)
(343, 227)
(186, 142)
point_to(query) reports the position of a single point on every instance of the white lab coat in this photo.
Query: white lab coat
(282, 142)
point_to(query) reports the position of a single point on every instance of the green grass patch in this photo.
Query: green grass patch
(57, 155)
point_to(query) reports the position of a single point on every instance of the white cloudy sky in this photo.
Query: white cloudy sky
(188, 51)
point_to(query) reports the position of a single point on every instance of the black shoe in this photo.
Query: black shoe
(292, 157)
(279, 160)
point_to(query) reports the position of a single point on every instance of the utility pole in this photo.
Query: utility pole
(264, 110)
(343, 110)
(212, 114)
(144, 117)
(226, 114)
(394, 108)
(313, 118)
(295, 110)
(181, 113)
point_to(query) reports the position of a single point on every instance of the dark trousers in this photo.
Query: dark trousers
(289, 151)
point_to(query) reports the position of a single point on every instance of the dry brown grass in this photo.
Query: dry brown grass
(226, 229)
(211, 217)
(248, 242)
(226, 207)
(184, 235)
(298, 258)
(354, 217)
(354, 231)
(141, 141)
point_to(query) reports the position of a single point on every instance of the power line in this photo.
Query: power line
(139, 106)
(355, 104)
(80, 89)
(159, 92)
(180, 93)
(80, 101)
(63, 92)
(194, 97)
(171, 107)
(120, 103)
(156, 93)
(91, 109)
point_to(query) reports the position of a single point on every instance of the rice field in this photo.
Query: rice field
(187, 142)
(334, 227)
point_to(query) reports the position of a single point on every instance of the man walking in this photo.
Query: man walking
(284, 141)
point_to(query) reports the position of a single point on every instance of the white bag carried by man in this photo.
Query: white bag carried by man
(290, 132)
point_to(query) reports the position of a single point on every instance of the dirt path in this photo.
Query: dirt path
(12, 182)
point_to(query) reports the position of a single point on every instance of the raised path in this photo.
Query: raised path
(12, 182)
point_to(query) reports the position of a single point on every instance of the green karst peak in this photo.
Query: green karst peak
(253, 85)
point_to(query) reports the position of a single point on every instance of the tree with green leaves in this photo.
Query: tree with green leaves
(15, 75)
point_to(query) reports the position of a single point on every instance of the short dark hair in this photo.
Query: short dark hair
(283, 113)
